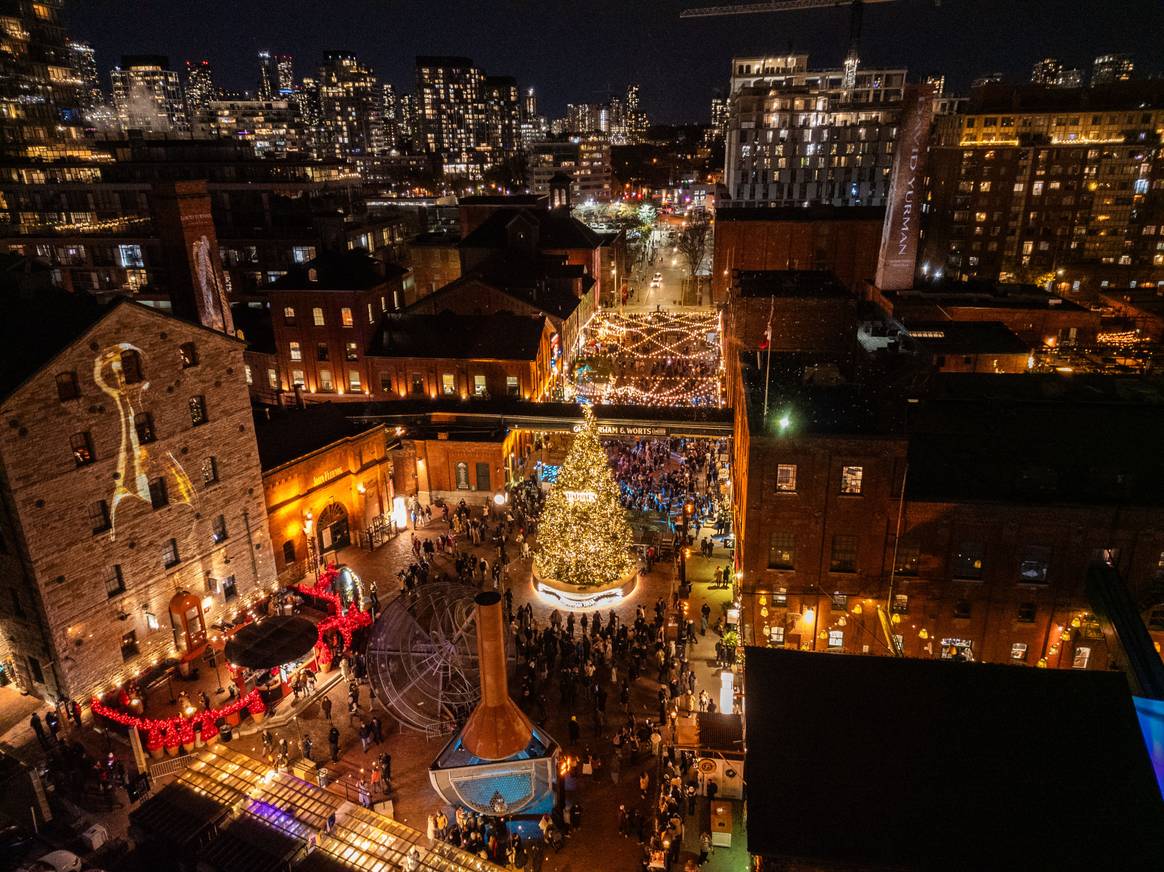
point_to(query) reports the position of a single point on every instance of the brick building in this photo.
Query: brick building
(324, 313)
(1035, 316)
(1049, 184)
(435, 261)
(327, 482)
(972, 505)
(843, 240)
(128, 472)
(465, 356)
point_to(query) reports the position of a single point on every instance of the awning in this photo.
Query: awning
(271, 642)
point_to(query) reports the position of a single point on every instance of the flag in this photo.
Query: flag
(767, 340)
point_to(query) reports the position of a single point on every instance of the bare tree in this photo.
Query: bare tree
(692, 246)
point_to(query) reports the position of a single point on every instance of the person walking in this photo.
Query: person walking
(325, 707)
(704, 846)
(307, 749)
(333, 737)
(575, 730)
(38, 728)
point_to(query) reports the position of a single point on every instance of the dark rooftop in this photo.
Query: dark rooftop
(530, 200)
(980, 294)
(37, 326)
(556, 229)
(788, 283)
(337, 271)
(1138, 94)
(1038, 438)
(798, 213)
(500, 336)
(965, 337)
(253, 321)
(945, 765)
(436, 237)
(177, 815)
(287, 434)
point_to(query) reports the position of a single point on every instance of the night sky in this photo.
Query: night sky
(572, 51)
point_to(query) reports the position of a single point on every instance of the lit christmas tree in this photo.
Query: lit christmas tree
(584, 539)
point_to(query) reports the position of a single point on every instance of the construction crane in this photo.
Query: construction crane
(856, 12)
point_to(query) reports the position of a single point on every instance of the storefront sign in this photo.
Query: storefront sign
(630, 430)
(327, 476)
(573, 497)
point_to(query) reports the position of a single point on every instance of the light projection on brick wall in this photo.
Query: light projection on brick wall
(119, 370)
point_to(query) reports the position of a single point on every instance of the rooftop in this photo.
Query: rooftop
(964, 761)
(982, 294)
(965, 337)
(533, 201)
(287, 434)
(788, 283)
(500, 336)
(536, 281)
(555, 228)
(39, 325)
(798, 213)
(1140, 94)
(337, 271)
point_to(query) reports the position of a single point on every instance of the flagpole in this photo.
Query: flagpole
(768, 364)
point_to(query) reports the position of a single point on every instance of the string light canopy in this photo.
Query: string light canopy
(584, 540)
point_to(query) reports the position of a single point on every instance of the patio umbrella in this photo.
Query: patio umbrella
(271, 642)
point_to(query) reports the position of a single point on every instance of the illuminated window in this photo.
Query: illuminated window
(159, 495)
(786, 477)
(82, 447)
(68, 388)
(250, 376)
(844, 554)
(370, 317)
(969, 560)
(129, 257)
(448, 384)
(386, 382)
(1018, 651)
(288, 315)
(512, 389)
(114, 581)
(840, 601)
(353, 379)
(346, 317)
(297, 378)
(325, 382)
(130, 367)
(151, 621)
(351, 351)
(197, 406)
(776, 636)
(218, 531)
(143, 423)
(129, 648)
(479, 387)
(210, 470)
(851, 477)
(1034, 563)
(984, 186)
(317, 317)
(302, 253)
(188, 354)
(273, 378)
(900, 604)
(170, 556)
(296, 351)
(836, 638)
(99, 519)
(781, 551)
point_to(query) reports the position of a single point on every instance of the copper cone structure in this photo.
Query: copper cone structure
(497, 729)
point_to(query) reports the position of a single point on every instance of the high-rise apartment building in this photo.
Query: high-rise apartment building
(84, 62)
(38, 84)
(719, 117)
(586, 162)
(586, 118)
(285, 75)
(502, 116)
(270, 127)
(351, 107)
(391, 115)
(797, 136)
(200, 89)
(1046, 72)
(450, 109)
(1108, 68)
(147, 95)
(267, 76)
(636, 119)
(1027, 187)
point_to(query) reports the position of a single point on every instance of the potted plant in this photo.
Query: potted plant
(234, 718)
(186, 736)
(324, 658)
(257, 709)
(154, 744)
(172, 742)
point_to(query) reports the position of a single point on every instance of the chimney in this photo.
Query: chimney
(497, 729)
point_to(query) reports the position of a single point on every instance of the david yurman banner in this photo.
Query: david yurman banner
(897, 260)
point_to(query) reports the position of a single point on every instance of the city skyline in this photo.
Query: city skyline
(552, 49)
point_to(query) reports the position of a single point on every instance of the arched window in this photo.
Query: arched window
(462, 476)
(288, 552)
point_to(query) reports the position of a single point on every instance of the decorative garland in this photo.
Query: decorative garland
(179, 730)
